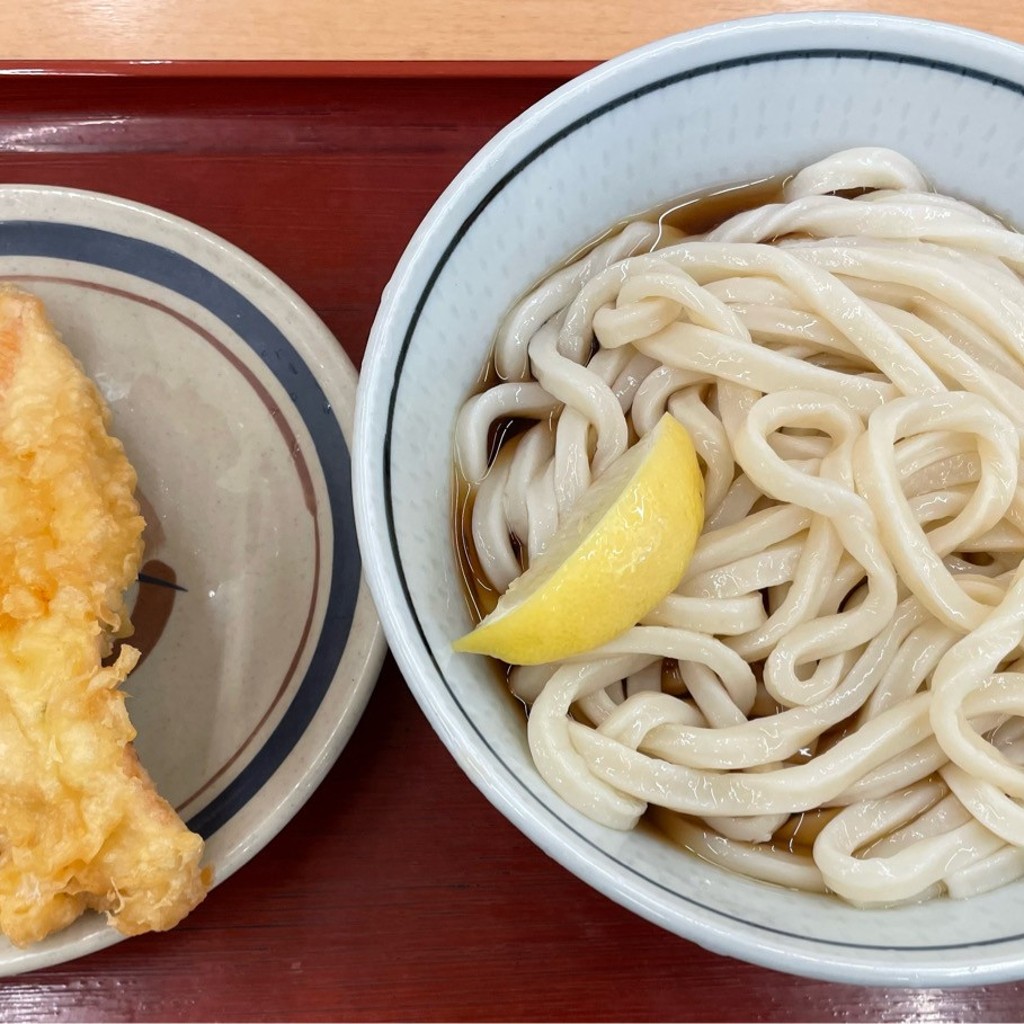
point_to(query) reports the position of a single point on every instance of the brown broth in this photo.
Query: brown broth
(798, 834)
(698, 214)
(478, 593)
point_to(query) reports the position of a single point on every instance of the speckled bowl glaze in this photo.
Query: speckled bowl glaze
(731, 103)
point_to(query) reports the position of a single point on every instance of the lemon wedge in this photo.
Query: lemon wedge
(624, 547)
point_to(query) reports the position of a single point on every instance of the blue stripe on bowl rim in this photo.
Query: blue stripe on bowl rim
(829, 53)
(176, 272)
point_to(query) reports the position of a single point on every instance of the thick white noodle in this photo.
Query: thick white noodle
(833, 697)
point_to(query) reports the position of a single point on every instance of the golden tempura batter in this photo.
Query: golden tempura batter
(81, 824)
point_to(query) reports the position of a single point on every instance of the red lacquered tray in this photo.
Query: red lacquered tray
(397, 893)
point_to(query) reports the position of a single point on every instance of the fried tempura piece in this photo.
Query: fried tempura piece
(81, 824)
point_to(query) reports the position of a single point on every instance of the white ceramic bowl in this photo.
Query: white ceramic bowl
(729, 103)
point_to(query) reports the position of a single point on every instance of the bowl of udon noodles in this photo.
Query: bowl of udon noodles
(796, 236)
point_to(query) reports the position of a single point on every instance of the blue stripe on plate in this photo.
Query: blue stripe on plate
(178, 273)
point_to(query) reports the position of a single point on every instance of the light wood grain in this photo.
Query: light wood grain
(404, 30)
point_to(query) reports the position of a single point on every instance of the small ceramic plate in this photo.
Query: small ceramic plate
(234, 402)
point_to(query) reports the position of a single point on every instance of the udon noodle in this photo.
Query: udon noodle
(833, 698)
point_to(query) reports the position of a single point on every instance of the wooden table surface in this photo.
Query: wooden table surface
(397, 893)
(404, 30)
